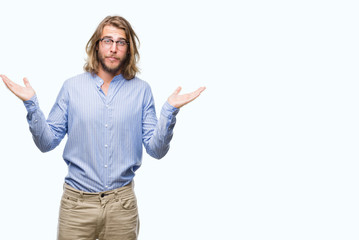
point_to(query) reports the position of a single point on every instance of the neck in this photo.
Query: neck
(106, 76)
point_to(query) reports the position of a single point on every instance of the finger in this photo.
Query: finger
(193, 95)
(7, 81)
(4, 78)
(196, 93)
(200, 90)
(27, 83)
(13, 87)
(177, 91)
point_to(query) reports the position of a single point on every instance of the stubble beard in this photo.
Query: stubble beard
(108, 69)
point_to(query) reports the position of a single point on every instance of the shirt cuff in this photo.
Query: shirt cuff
(168, 110)
(32, 104)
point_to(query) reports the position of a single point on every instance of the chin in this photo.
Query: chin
(113, 67)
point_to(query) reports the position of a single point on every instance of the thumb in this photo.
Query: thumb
(176, 92)
(27, 83)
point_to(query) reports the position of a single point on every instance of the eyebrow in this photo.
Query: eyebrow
(112, 38)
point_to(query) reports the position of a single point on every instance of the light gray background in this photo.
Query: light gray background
(268, 151)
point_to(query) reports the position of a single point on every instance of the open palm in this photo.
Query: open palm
(24, 93)
(179, 101)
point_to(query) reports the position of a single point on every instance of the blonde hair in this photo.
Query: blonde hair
(128, 67)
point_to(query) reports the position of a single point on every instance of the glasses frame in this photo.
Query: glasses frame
(117, 42)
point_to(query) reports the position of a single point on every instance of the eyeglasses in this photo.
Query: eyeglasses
(108, 42)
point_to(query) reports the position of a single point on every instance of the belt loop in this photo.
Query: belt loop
(116, 196)
(81, 196)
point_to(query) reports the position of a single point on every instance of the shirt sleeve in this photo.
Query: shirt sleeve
(157, 134)
(47, 134)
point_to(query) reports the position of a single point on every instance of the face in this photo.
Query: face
(112, 56)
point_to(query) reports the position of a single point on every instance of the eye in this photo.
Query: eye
(107, 41)
(121, 42)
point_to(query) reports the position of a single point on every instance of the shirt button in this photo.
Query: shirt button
(106, 125)
(107, 106)
(106, 146)
(106, 166)
(106, 186)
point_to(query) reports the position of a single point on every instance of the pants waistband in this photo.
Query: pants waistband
(122, 191)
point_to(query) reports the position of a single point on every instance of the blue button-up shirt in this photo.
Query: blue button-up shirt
(105, 133)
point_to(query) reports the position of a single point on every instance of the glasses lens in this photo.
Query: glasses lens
(107, 42)
(121, 43)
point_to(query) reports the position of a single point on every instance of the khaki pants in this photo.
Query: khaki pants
(110, 215)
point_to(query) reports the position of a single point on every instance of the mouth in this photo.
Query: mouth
(113, 59)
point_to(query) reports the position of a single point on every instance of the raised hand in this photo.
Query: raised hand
(24, 93)
(179, 101)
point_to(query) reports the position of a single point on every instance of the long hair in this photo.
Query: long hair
(128, 67)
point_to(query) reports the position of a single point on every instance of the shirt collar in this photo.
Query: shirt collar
(99, 81)
(118, 77)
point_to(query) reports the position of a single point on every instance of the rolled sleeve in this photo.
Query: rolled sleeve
(32, 104)
(169, 111)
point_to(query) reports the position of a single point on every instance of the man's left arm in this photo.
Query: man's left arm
(158, 134)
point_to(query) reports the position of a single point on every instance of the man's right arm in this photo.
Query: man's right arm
(47, 134)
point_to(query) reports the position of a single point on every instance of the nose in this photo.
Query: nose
(113, 47)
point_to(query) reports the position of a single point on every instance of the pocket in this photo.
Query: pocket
(129, 202)
(68, 202)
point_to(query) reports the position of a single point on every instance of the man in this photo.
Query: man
(107, 114)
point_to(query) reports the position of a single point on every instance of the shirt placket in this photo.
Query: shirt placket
(107, 145)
